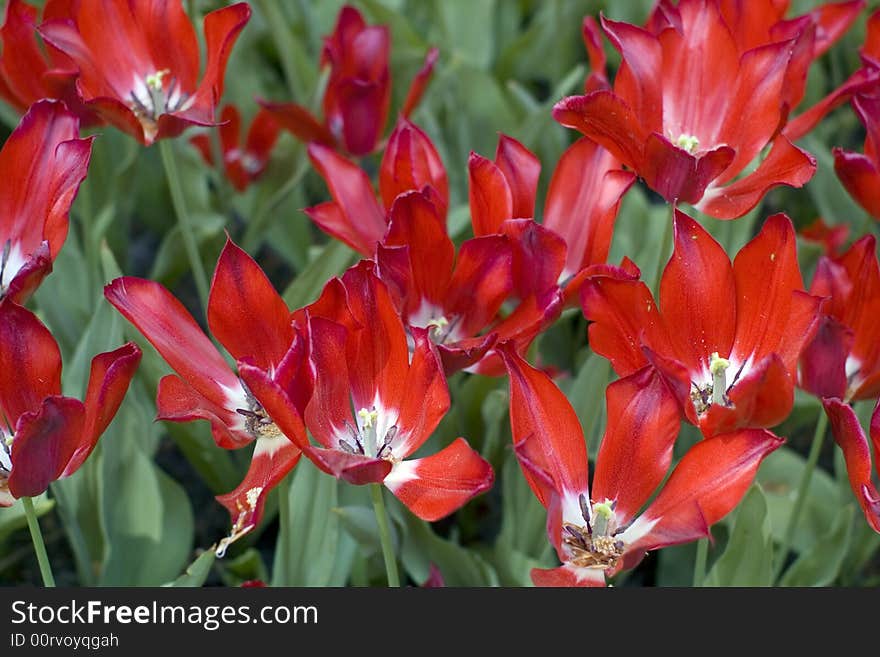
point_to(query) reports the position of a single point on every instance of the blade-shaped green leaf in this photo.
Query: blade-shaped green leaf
(747, 561)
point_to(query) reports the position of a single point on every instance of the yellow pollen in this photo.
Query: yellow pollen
(772, 257)
(368, 417)
(154, 80)
(253, 495)
(688, 143)
(717, 364)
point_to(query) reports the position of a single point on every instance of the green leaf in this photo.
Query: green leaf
(197, 572)
(747, 561)
(458, 565)
(821, 565)
(308, 539)
(248, 565)
(360, 524)
(330, 262)
(469, 29)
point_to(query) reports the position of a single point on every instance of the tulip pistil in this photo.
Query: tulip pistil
(256, 421)
(151, 98)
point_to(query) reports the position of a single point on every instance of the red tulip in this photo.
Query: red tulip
(243, 162)
(42, 165)
(139, 62)
(358, 95)
(860, 172)
(457, 299)
(690, 111)
(51, 435)
(727, 337)
(830, 238)
(377, 399)
(27, 72)
(355, 216)
(843, 360)
(599, 530)
(249, 318)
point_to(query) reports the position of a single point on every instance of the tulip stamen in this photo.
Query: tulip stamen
(595, 545)
(150, 98)
(256, 421)
(688, 143)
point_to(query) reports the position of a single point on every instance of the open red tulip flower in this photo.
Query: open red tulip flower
(727, 337)
(45, 435)
(139, 63)
(843, 359)
(457, 299)
(355, 216)
(42, 165)
(243, 162)
(860, 172)
(601, 529)
(27, 72)
(689, 111)
(252, 322)
(378, 396)
(357, 100)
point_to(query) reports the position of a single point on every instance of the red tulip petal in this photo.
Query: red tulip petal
(42, 164)
(29, 276)
(621, 310)
(22, 63)
(521, 169)
(756, 106)
(708, 482)
(276, 403)
(31, 359)
(409, 163)
(490, 196)
(245, 313)
(608, 120)
(696, 55)
(481, 282)
(773, 314)
(177, 401)
(170, 328)
(636, 449)
(381, 358)
(823, 360)
(110, 375)
(540, 414)
(848, 434)
(425, 397)
(364, 110)
(419, 83)
(354, 468)
(582, 202)
(786, 164)
(44, 441)
(465, 353)
(329, 412)
(538, 257)
(698, 296)
(860, 177)
(297, 120)
(261, 137)
(271, 460)
(595, 53)
(863, 80)
(439, 484)
(415, 222)
(639, 81)
(352, 191)
(566, 576)
(677, 175)
(222, 27)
